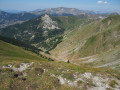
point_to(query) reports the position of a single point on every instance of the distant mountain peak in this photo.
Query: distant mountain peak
(59, 11)
(114, 13)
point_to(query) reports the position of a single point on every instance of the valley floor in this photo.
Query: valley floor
(24, 70)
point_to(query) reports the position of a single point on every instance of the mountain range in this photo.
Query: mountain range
(61, 11)
(79, 36)
(10, 18)
(60, 49)
(43, 32)
(96, 43)
(7, 18)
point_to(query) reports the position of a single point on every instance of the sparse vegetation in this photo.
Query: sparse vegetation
(113, 83)
(77, 38)
(43, 74)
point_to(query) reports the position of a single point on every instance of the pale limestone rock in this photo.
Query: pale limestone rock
(48, 23)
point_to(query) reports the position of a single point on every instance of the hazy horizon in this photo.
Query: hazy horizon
(30, 5)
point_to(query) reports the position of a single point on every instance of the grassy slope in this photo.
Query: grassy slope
(11, 54)
(29, 29)
(70, 22)
(74, 40)
(109, 59)
(106, 39)
(91, 39)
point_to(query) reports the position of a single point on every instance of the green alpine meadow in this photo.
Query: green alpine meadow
(59, 45)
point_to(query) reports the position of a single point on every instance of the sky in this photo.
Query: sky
(30, 5)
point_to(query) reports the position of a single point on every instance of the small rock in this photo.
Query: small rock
(24, 79)
(16, 75)
(39, 71)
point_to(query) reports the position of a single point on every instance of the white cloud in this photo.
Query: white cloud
(102, 2)
(105, 2)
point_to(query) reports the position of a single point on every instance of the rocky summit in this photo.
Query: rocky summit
(48, 23)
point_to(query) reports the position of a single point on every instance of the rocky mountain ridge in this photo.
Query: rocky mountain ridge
(10, 19)
(13, 18)
(39, 31)
(64, 11)
(48, 23)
